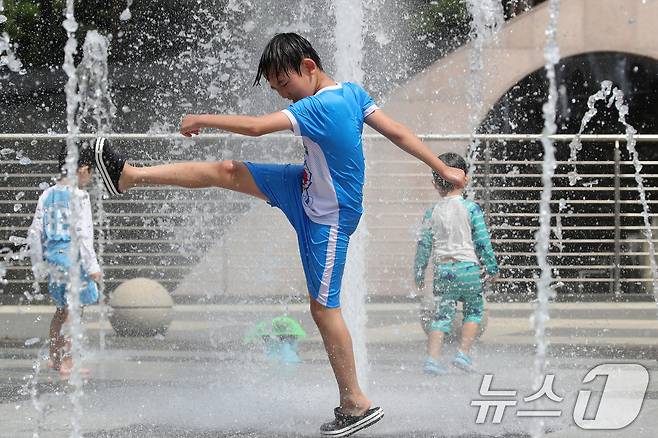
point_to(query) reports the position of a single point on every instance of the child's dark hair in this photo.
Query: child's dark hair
(85, 157)
(284, 53)
(453, 160)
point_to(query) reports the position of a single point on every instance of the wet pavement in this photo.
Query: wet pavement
(200, 380)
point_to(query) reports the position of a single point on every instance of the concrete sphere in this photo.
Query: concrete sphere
(426, 315)
(141, 307)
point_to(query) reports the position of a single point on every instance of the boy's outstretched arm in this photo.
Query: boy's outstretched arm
(246, 125)
(410, 143)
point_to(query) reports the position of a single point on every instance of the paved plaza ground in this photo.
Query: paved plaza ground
(201, 381)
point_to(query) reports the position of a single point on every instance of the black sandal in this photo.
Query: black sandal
(109, 164)
(345, 425)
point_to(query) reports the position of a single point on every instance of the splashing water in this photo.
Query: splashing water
(622, 108)
(544, 290)
(96, 104)
(7, 56)
(94, 95)
(74, 326)
(613, 95)
(348, 58)
(558, 224)
(126, 14)
(32, 388)
(487, 20)
(104, 224)
(576, 145)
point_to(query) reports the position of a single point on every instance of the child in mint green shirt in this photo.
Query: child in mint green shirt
(455, 236)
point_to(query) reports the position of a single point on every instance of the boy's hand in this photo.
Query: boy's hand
(455, 176)
(491, 278)
(96, 276)
(189, 125)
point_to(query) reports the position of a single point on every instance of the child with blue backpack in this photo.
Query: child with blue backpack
(49, 238)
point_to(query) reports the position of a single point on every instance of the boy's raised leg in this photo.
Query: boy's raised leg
(231, 175)
(118, 176)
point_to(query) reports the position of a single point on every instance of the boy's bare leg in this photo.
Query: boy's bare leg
(469, 333)
(338, 343)
(229, 174)
(56, 340)
(435, 344)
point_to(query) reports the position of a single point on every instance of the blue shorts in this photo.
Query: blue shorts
(323, 248)
(57, 281)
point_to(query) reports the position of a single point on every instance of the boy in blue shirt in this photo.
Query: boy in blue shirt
(49, 238)
(322, 198)
(454, 232)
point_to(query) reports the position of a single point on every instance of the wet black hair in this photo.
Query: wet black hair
(285, 52)
(453, 160)
(85, 157)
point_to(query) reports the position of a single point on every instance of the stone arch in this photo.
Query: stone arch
(433, 101)
(579, 76)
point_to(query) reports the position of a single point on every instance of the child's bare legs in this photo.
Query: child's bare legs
(338, 343)
(60, 346)
(229, 174)
(469, 333)
(435, 344)
(56, 340)
(67, 361)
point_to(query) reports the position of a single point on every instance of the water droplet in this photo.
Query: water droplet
(17, 207)
(43, 185)
(125, 15)
(25, 161)
(70, 25)
(31, 341)
(2, 19)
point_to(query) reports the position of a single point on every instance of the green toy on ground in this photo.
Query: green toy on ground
(280, 336)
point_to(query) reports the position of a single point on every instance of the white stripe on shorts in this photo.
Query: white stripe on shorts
(323, 294)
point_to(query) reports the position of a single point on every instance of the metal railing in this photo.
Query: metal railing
(162, 232)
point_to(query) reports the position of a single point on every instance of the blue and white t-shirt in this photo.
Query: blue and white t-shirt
(331, 123)
(50, 227)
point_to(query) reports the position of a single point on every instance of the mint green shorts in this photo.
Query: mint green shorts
(453, 282)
